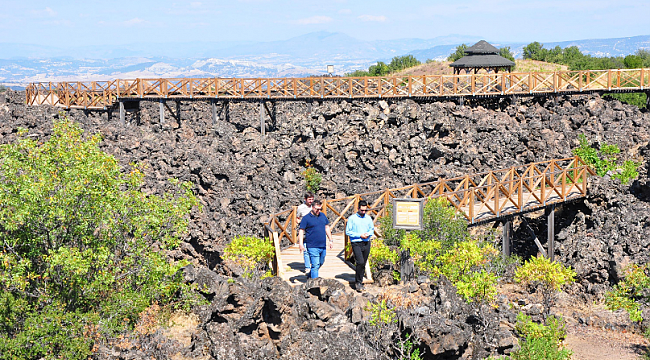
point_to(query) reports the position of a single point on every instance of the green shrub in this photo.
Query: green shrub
(550, 276)
(251, 253)
(606, 160)
(445, 247)
(312, 177)
(389, 234)
(541, 342)
(631, 292)
(381, 314)
(382, 69)
(628, 171)
(465, 265)
(76, 262)
(380, 254)
(442, 223)
(423, 252)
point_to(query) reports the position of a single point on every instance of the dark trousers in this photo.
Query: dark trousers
(361, 250)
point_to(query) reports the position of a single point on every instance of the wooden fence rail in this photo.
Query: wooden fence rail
(103, 94)
(479, 198)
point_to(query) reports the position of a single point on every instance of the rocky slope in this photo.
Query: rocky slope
(362, 146)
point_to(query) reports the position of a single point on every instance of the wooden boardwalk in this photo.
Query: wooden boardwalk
(479, 198)
(335, 266)
(104, 94)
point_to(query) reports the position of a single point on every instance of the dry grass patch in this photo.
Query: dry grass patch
(400, 299)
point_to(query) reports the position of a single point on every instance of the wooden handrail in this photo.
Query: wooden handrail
(497, 193)
(106, 93)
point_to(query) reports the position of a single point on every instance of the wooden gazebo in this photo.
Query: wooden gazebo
(482, 55)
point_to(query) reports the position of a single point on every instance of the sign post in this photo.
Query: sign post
(408, 214)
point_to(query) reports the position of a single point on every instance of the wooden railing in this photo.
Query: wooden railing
(479, 198)
(103, 94)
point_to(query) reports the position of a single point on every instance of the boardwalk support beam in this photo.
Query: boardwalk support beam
(532, 233)
(215, 117)
(506, 227)
(122, 112)
(262, 119)
(161, 106)
(550, 220)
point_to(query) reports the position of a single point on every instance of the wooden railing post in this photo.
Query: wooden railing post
(294, 225)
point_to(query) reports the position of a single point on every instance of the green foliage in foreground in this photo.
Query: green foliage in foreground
(606, 160)
(382, 69)
(549, 276)
(541, 342)
(631, 293)
(251, 253)
(444, 247)
(76, 235)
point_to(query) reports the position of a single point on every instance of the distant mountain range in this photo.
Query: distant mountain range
(594, 47)
(299, 56)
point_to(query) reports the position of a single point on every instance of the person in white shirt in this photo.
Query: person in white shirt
(304, 209)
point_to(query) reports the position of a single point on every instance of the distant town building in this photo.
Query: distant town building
(482, 55)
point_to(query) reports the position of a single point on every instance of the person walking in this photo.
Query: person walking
(360, 230)
(315, 233)
(304, 209)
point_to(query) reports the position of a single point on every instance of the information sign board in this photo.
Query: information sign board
(408, 214)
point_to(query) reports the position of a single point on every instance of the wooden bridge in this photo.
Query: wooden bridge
(479, 198)
(103, 95)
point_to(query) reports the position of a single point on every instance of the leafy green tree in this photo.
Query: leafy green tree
(644, 55)
(379, 69)
(76, 235)
(506, 53)
(403, 62)
(459, 53)
(534, 51)
(549, 276)
(633, 62)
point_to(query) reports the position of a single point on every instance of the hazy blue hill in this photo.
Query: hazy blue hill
(595, 47)
(302, 55)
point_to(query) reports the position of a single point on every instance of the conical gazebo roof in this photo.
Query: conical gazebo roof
(481, 47)
(482, 55)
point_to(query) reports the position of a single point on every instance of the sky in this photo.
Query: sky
(73, 23)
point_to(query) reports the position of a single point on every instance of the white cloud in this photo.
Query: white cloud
(314, 20)
(377, 18)
(50, 12)
(196, 4)
(345, 11)
(47, 12)
(133, 22)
